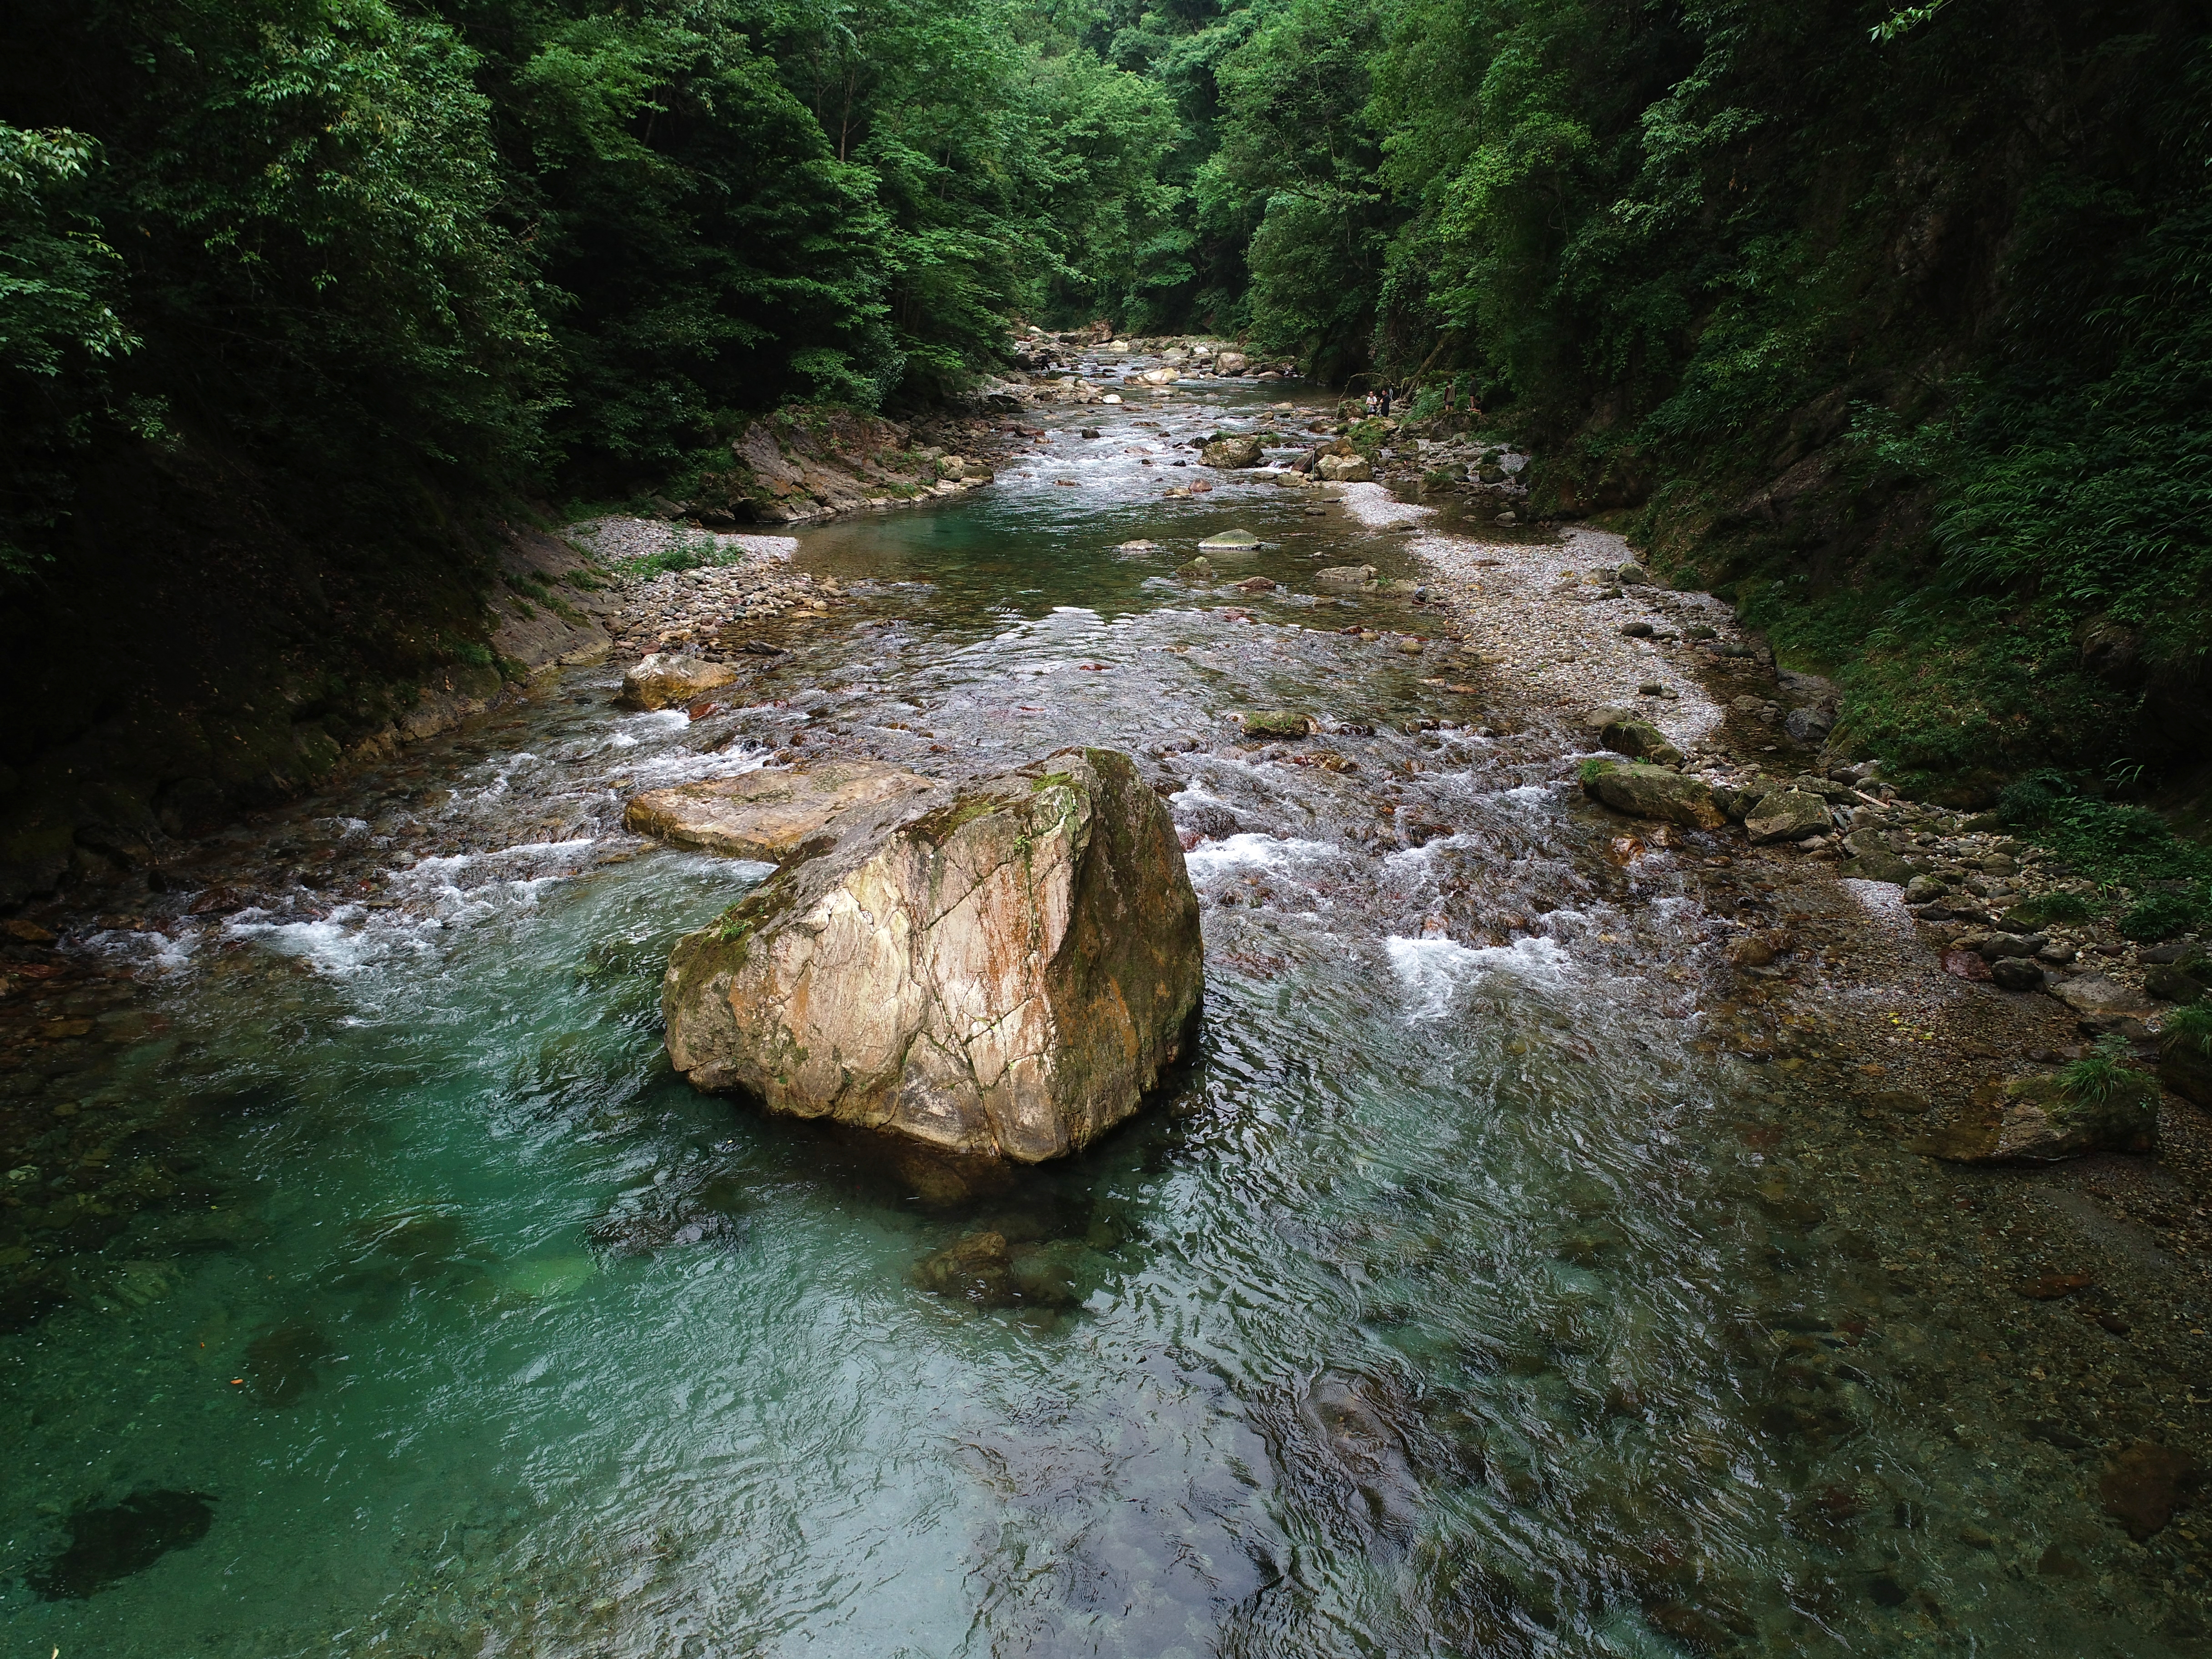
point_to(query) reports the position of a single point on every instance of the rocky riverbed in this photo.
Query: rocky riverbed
(1547, 1174)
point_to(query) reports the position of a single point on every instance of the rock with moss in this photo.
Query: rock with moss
(2169, 982)
(1005, 974)
(1786, 815)
(769, 814)
(1641, 741)
(1275, 722)
(1645, 791)
(1236, 451)
(2094, 1106)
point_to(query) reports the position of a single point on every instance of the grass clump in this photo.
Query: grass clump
(690, 550)
(2160, 917)
(2190, 1027)
(2099, 1074)
(2049, 908)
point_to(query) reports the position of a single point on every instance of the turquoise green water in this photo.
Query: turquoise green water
(1458, 1299)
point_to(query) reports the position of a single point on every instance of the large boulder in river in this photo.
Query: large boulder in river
(1345, 469)
(768, 814)
(668, 677)
(1237, 450)
(1006, 973)
(1645, 791)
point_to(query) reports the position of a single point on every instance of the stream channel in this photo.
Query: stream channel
(1461, 1297)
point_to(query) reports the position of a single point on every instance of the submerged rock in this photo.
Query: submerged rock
(2143, 1486)
(1645, 791)
(977, 1268)
(1005, 974)
(767, 814)
(1345, 577)
(667, 678)
(111, 1541)
(2041, 1120)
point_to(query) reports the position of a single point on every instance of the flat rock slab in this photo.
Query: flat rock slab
(2093, 994)
(768, 815)
(668, 679)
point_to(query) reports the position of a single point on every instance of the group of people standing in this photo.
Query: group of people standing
(1378, 401)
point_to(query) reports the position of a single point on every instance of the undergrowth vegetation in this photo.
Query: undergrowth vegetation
(1893, 325)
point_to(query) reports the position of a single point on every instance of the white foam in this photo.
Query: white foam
(1527, 795)
(1435, 969)
(1249, 848)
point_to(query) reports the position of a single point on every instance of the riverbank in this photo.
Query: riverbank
(2072, 1293)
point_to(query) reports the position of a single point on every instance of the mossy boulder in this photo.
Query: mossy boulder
(1275, 722)
(1640, 739)
(1786, 815)
(1005, 974)
(1645, 791)
(2042, 1120)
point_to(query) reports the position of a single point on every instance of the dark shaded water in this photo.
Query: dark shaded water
(1460, 1299)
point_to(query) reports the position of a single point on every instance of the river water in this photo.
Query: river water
(1464, 1296)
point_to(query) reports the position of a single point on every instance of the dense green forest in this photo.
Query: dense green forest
(1893, 325)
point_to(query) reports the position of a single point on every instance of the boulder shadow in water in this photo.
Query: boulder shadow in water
(280, 1363)
(111, 1541)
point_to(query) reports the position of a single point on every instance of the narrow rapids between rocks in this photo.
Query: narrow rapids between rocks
(1466, 1294)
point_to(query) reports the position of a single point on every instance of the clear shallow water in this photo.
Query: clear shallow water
(1461, 1298)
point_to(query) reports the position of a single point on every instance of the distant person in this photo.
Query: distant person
(1451, 388)
(1386, 401)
